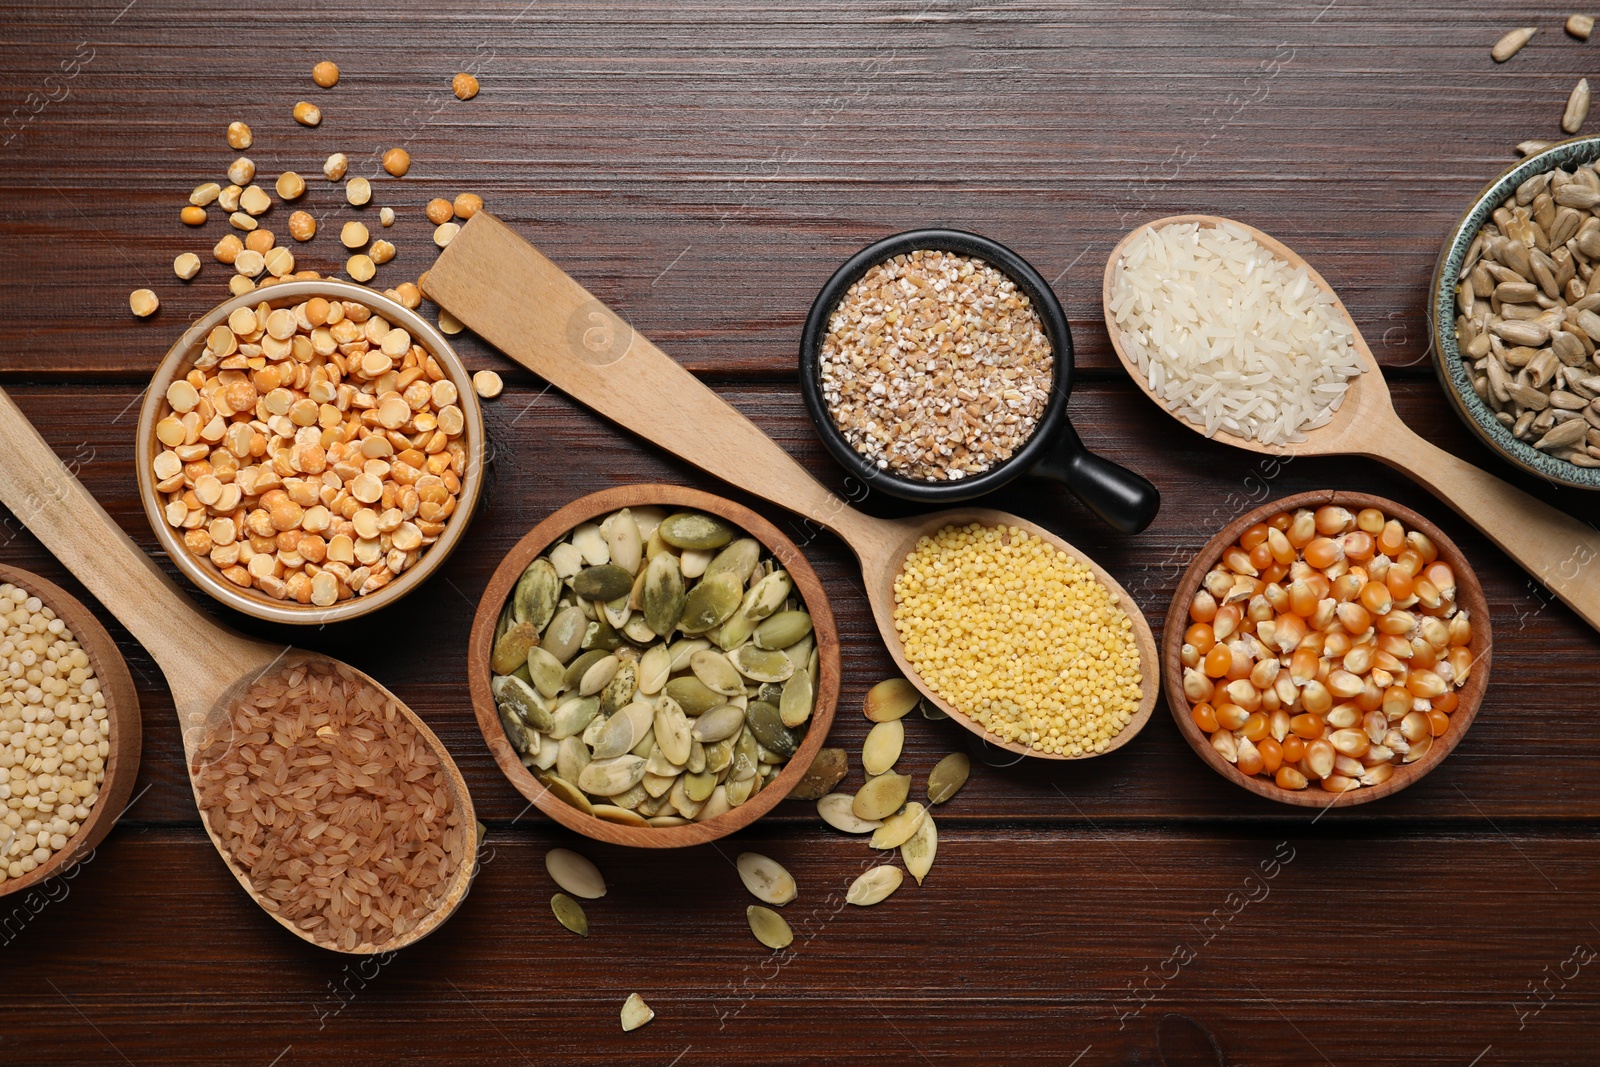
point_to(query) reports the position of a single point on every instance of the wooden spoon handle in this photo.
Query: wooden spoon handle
(1551, 545)
(523, 304)
(45, 496)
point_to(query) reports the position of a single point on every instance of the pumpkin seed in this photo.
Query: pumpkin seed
(874, 886)
(591, 733)
(738, 559)
(900, 827)
(741, 790)
(546, 756)
(838, 811)
(565, 632)
(692, 695)
(601, 634)
(588, 539)
(717, 672)
(544, 671)
(663, 596)
(575, 873)
(694, 562)
(760, 664)
(699, 787)
(797, 700)
(930, 710)
(665, 821)
(607, 778)
(566, 559)
(766, 723)
(569, 913)
(511, 691)
(746, 757)
(881, 796)
(918, 853)
(783, 629)
(657, 785)
(672, 730)
(655, 666)
(573, 675)
(766, 879)
(720, 722)
(826, 771)
(619, 815)
(768, 595)
(696, 530)
(511, 651)
(638, 631)
(572, 756)
(618, 614)
(620, 690)
(622, 538)
(948, 776)
(717, 804)
(719, 755)
(697, 757)
(566, 792)
(891, 699)
(683, 649)
(623, 731)
(882, 748)
(710, 603)
(736, 631)
(769, 927)
(521, 738)
(635, 1012)
(571, 717)
(537, 592)
(599, 675)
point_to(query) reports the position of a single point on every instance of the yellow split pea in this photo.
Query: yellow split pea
(1020, 636)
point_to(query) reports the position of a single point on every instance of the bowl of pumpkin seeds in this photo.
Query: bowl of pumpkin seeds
(654, 666)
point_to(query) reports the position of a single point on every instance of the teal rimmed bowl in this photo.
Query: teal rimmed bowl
(1453, 373)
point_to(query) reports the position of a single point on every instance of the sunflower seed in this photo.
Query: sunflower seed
(881, 796)
(890, 699)
(695, 530)
(796, 700)
(569, 913)
(1511, 43)
(948, 776)
(882, 747)
(1580, 26)
(537, 592)
(710, 603)
(826, 771)
(766, 879)
(1577, 107)
(761, 665)
(718, 723)
(769, 927)
(575, 873)
(917, 853)
(766, 723)
(635, 1012)
(900, 827)
(566, 792)
(874, 886)
(663, 596)
(1528, 148)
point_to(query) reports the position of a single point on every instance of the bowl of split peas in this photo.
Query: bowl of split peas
(310, 452)
(1327, 648)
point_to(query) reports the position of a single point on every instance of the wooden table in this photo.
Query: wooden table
(703, 167)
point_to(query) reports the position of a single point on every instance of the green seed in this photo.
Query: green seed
(882, 796)
(738, 559)
(516, 732)
(601, 634)
(620, 690)
(692, 695)
(565, 633)
(767, 725)
(718, 674)
(605, 582)
(511, 651)
(698, 787)
(544, 671)
(769, 927)
(785, 628)
(567, 792)
(794, 706)
(695, 530)
(537, 592)
(512, 692)
(948, 776)
(761, 665)
(569, 913)
(663, 594)
(736, 631)
(827, 771)
(572, 716)
(718, 723)
(580, 667)
(710, 603)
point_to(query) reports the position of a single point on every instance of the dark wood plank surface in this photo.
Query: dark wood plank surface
(703, 167)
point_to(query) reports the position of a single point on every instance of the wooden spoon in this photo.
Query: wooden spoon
(517, 300)
(1549, 544)
(204, 663)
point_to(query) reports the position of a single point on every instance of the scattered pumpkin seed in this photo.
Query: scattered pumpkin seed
(918, 852)
(769, 927)
(570, 913)
(881, 796)
(890, 699)
(838, 811)
(930, 710)
(874, 886)
(635, 1012)
(575, 873)
(881, 751)
(900, 827)
(826, 771)
(948, 776)
(766, 879)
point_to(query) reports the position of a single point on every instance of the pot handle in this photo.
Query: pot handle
(1123, 499)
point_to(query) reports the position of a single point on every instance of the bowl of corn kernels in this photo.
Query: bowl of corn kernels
(310, 452)
(1329, 647)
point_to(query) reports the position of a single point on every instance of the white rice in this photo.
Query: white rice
(1229, 336)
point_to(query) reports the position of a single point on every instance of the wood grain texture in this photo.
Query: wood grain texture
(702, 167)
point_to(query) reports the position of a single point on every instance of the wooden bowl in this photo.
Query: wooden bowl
(558, 525)
(202, 572)
(1469, 595)
(122, 715)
